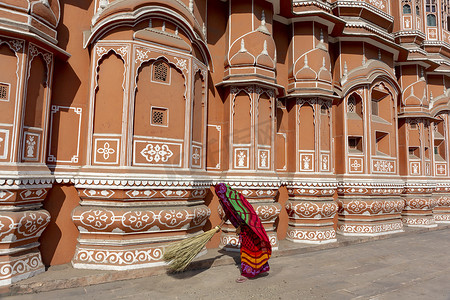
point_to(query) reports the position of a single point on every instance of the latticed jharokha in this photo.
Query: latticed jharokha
(328, 116)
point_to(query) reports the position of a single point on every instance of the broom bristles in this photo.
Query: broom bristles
(181, 254)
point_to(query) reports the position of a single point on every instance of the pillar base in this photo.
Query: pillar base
(418, 211)
(441, 211)
(370, 216)
(367, 229)
(129, 226)
(16, 268)
(311, 235)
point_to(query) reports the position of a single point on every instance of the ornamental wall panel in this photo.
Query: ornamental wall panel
(4, 143)
(62, 118)
(157, 153)
(106, 150)
(214, 149)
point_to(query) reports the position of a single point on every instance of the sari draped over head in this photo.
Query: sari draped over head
(255, 245)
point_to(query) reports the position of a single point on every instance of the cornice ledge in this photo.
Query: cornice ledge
(409, 32)
(375, 10)
(370, 27)
(320, 4)
(126, 181)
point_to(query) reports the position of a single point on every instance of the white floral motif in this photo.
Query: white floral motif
(30, 146)
(196, 155)
(415, 169)
(101, 51)
(181, 64)
(325, 162)
(106, 151)
(241, 159)
(263, 159)
(377, 3)
(355, 165)
(384, 166)
(17, 44)
(141, 55)
(123, 50)
(138, 220)
(157, 153)
(306, 163)
(97, 219)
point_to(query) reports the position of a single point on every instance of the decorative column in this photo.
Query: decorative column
(263, 201)
(25, 180)
(126, 224)
(311, 209)
(250, 87)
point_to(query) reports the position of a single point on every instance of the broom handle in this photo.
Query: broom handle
(221, 224)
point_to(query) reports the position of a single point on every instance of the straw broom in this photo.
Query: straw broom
(181, 254)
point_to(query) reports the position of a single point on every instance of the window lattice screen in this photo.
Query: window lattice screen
(160, 72)
(159, 116)
(4, 92)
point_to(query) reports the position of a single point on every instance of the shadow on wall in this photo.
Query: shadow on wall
(63, 31)
(59, 239)
(212, 201)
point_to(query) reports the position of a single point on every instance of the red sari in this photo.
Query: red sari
(255, 245)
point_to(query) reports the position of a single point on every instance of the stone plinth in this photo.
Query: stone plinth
(370, 209)
(441, 210)
(127, 227)
(311, 210)
(21, 224)
(419, 204)
(263, 201)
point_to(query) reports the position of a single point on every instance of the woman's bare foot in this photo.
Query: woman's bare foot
(241, 279)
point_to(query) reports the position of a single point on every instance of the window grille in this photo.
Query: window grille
(4, 92)
(351, 108)
(160, 71)
(159, 116)
(406, 9)
(430, 6)
(431, 20)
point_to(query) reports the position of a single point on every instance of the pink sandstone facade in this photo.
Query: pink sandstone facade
(118, 116)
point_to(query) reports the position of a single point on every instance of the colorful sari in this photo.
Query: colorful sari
(255, 244)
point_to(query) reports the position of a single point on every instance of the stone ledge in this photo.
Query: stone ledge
(65, 277)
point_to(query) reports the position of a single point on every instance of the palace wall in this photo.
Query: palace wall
(118, 117)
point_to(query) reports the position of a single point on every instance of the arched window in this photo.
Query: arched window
(431, 20)
(406, 9)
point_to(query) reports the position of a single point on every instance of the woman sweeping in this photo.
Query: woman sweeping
(255, 244)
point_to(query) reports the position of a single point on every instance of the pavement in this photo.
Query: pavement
(410, 265)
